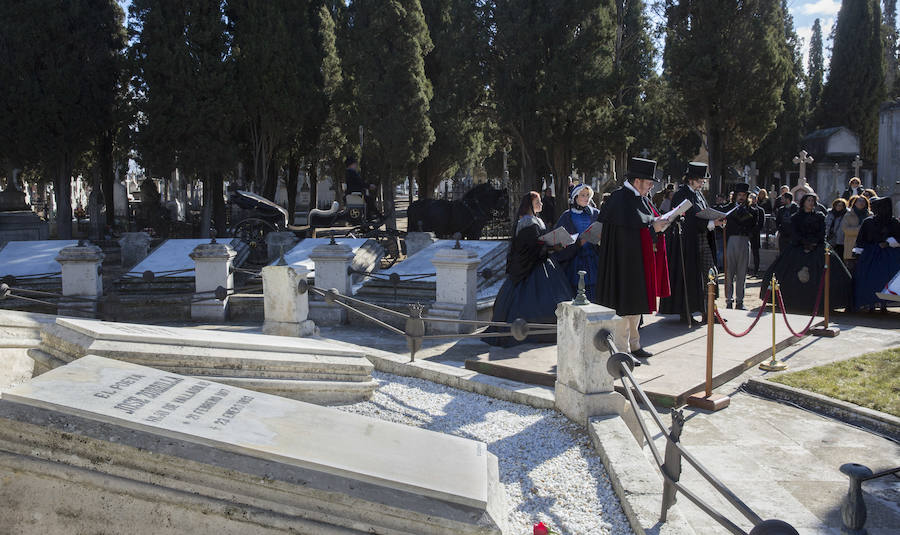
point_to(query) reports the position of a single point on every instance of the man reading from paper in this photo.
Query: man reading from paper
(633, 272)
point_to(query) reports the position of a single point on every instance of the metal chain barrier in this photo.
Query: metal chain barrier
(752, 325)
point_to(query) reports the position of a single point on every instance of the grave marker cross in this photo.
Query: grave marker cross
(857, 163)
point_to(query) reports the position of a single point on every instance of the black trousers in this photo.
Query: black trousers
(754, 250)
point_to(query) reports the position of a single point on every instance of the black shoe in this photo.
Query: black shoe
(729, 305)
(739, 306)
(642, 353)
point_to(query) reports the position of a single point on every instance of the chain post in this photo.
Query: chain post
(709, 401)
(825, 328)
(773, 365)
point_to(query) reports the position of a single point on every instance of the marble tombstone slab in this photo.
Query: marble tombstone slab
(366, 254)
(23, 259)
(100, 442)
(310, 369)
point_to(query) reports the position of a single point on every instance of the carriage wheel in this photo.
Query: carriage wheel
(253, 231)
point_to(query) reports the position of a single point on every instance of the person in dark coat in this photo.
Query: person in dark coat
(548, 213)
(800, 266)
(741, 225)
(580, 256)
(757, 230)
(356, 184)
(878, 246)
(695, 246)
(633, 271)
(534, 284)
(783, 220)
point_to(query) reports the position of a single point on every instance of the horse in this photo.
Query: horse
(468, 216)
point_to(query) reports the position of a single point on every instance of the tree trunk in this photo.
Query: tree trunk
(64, 199)
(217, 186)
(560, 163)
(312, 170)
(387, 198)
(291, 184)
(271, 181)
(108, 176)
(206, 210)
(714, 142)
(95, 202)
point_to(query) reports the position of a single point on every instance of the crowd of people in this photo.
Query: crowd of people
(648, 259)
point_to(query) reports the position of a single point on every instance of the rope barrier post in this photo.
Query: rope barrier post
(825, 329)
(708, 400)
(773, 365)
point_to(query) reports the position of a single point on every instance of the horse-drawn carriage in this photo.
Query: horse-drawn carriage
(262, 216)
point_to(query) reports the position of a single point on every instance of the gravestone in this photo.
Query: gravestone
(136, 450)
(135, 247)
(416, 241)
(310, 369)
(172, 260)
(416, 272)
(366, 254)
(32, 259)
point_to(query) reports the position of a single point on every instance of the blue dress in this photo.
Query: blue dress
(533, 287)
(586, 257)
(877, 264)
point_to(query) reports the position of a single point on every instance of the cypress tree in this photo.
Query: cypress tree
(390, 40)
(728, 62)
(816, 64)
(59, 73)
(890, 48)
(456, 69)
(855, 86)
(779, 146)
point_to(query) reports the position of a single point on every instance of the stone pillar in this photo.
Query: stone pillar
(457, 282)
(81, 278)
(416, 241)
(332, 262)
(276, 240)
(212, 268)
(286, 301)
(135, 247)
(584, 387)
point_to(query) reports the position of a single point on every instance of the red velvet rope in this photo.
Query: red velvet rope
(752, 325)
(815, 309)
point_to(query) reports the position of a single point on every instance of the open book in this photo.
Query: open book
(713, 214)
(683, 207)
(592, 233)
(558, 236)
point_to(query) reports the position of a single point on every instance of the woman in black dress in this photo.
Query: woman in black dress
(800, 266)
(534, 284)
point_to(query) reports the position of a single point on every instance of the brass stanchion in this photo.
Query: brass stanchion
(824, 329)
(709, 401)
(773, 365)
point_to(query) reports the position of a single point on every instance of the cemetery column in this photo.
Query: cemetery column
(81, 280)
(212, 269)
(457, 282)
(332, 263)
(286, 301)
(584, 387)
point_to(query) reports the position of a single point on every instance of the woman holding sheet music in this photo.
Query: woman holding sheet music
(583, 255)
(534, 284)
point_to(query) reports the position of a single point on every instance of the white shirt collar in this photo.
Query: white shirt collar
(632, 188)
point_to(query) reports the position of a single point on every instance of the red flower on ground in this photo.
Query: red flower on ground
(541, 529)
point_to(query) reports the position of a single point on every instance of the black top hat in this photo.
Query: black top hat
(641, 168)
(696, 171)
(740, 187)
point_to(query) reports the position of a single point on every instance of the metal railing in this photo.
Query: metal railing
(620, 366)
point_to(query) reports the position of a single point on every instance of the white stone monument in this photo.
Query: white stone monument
(286, 301)
(457, 284)
(416, 241)
(802, 188)
(135, 247)
(137, 450)
(584, 387)
(332, 263)
(212, 269)
(81, 280)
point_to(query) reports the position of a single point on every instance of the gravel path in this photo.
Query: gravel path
(547, 464)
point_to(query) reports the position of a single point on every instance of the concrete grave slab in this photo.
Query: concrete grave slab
(310, 369)
(24, 259)
(367, 254)
(171, 259)
(216, 454)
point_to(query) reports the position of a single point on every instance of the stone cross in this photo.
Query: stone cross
(803, 159)
(753, 174)
(857, 163)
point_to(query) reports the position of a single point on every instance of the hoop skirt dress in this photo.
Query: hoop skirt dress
(878, 262)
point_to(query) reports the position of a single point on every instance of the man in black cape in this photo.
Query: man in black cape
(632, 273)
(692, 252)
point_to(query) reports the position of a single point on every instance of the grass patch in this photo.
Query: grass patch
(871, 380)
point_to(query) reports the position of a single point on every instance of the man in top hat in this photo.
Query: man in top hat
(633, 272)
(741, 225)
(692, 252)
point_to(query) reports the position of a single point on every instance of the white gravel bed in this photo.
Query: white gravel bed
(548, 466)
